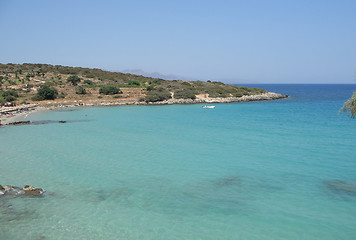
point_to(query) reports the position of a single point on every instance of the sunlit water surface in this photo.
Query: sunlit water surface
(240, 171)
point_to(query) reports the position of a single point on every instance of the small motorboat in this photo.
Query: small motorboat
(206, 106)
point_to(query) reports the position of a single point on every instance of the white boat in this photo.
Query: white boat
(206, 106)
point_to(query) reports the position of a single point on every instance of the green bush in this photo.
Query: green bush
(134, 83)
(157, 95)
(88, 82)
(62, 95)
(109, 90)
(149, 88)
(80, 90)
(45, 93)
(74, 79)
(185, 94)
(10, 95)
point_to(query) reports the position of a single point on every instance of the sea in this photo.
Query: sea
(283, 169)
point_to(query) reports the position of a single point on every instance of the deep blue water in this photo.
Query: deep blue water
(257, 170)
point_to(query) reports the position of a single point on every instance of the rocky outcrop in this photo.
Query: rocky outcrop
(247, 98)
(27, 190)
(19, 123)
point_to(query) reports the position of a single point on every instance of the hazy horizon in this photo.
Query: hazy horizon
(233, 42)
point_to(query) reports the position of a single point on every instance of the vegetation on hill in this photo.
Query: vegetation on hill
(43, 82)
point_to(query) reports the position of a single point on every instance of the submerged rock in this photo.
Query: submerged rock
(341, 186)
(228, 181)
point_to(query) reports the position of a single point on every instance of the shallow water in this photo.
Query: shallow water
(239, 171)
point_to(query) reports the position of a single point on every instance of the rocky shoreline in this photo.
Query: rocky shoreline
(200, 99)
(13, 115)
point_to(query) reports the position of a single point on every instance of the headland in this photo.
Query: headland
(25, 88)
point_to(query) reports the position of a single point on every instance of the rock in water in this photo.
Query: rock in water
(9, 190)
(20, 123)
(2, 190)
(29, 190)
(341, 186)
(12, 190)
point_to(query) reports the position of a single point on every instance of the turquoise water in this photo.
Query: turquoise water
(239, 171)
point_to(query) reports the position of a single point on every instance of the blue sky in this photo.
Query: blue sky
(274, 41)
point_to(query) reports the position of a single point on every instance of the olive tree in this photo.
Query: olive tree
(350, 106)
(74, 79)
(45, 93)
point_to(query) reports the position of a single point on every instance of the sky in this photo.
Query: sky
(254, 41)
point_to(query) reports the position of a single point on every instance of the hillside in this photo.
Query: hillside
(33, 83)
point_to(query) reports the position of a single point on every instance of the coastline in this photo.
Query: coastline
(20, 113)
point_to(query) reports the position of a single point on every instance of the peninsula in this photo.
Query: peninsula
(52, 86)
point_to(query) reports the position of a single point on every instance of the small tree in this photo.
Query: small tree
(185, 94)
(74, 79)
(10, 95)
(350, 106)
(157, 95)
(109, 90)
(88, 82)
(80, 90)
(46, 93)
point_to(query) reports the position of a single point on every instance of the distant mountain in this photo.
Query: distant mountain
(178, 77)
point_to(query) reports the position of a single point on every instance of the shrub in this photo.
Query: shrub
(80, 90)
(45, 93)
(157, 95)
(109, 90)
(62, 95)
(10, 95)
(185, 94)
(149, 88)
(134, 83)
(74, 79)
(2, 100)
(90, 75)
(88, 82)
